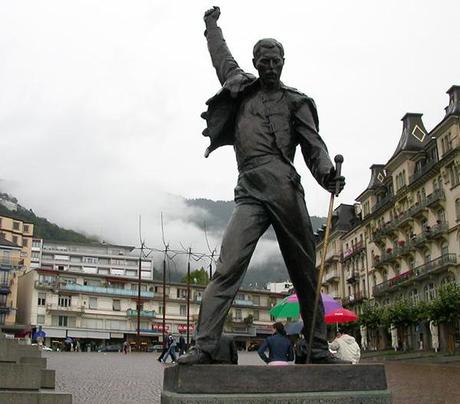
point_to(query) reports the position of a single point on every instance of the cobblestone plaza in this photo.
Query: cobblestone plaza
(102, 378)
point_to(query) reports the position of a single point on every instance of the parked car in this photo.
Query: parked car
(155, 348)
(110, 348)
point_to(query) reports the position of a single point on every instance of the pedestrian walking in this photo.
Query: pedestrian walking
(172, 346)
(182, 345)
(279, 347)
(125, 347)
(345, 347)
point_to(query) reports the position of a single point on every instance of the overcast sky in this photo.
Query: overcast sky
(100, 101)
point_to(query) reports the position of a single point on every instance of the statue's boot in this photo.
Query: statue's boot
(195, 357)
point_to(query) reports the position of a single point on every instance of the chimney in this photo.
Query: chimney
(454, 100)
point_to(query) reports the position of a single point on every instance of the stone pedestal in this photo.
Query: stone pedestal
(296, 384)
(24, 378)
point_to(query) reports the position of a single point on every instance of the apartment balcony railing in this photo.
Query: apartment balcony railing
(331, 276)
(4, 288)
(241, 302)
(355, 249)
(75, 287)
(436, 230)
(11, 264)
(435, 197)
(67, 309)
(416, 273)
(5, 310)
(383, 202)
(353, 277)
(354, 298)
(144, 313)
(420, 173)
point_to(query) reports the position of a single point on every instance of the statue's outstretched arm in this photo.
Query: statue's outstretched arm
(221, 57)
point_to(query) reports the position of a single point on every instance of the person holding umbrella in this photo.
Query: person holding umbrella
(345, 347)
(279, 347)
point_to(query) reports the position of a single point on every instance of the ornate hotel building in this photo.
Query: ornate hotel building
(90, 292)
(402, 237)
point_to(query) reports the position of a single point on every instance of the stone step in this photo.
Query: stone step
(34, 397)
(345, 397)
(230, 379)
(11, 351)
(19, 376)
(48, 379)
(41, 362)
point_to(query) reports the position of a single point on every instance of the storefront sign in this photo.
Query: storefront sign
(159, 327)
(183, 328)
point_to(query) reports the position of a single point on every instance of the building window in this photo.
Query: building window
(430, 292)
(62, 321)
(116, 306)
(25, 228)
(15, 239)
(255, 315)
(41, 299)
(238, 314)
(414, 296)
(183, 310)
(64, 301)
(36, 243)
(25, 242)
(454, 175)
(444, 248)
(160, 309)
(40, 319)
(256, 300)
(457, 208)
(15, 225)
(181, 293)
(441, 216)
(93, 302)
(89, 260)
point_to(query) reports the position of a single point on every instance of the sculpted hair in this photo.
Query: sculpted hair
(267, 43)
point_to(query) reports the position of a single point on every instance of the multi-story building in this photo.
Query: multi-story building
(90, 292)
(404, 241)
(19, 233)
(10, 265)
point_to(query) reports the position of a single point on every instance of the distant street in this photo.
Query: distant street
(102, 378)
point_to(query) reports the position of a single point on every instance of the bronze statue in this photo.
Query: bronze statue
(264, 120)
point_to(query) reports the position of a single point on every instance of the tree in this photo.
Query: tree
(371, 316)
(197, 277)
(445, 308)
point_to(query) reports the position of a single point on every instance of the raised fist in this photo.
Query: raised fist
(212, 15)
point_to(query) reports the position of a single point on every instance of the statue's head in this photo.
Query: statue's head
(269, 61)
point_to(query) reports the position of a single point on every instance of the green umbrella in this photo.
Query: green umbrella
(289, 306)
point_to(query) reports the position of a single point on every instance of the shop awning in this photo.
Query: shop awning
(54, 332)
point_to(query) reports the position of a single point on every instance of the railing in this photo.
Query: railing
(11, 264)
(355, 249)
(353, 277)
(144, 313)
(417, 272)
(75, 287)
(354, 298)
(427, 167)
(382, 202)
(240, 302)
(331, 275)
(4, 287)
(71, 308)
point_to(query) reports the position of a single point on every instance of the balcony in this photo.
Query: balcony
(355, 249)
(435, 198)
(11, 264)
(436, 231)
(240, 302)
(4, 288)
(69, 309)
(333, 257)
(419, 272)
(353, 278)
(354, 299)
(331, 276)
(75, 287)
(5, 310)
(382, 202)
(421, 172)
(144, 313)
